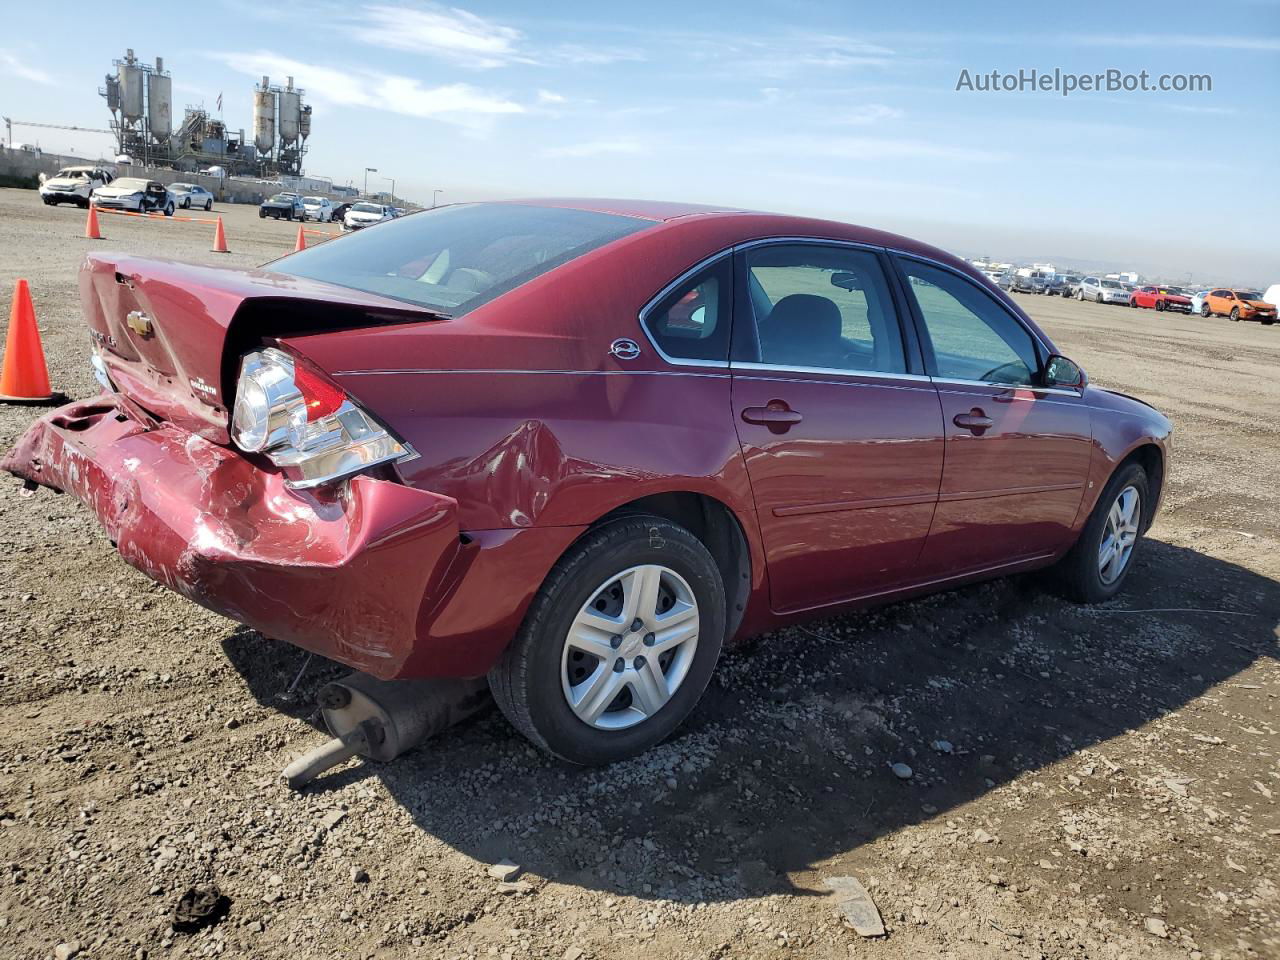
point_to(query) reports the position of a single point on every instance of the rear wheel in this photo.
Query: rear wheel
(1160, 306)
(1097, 566)
(186, 203)
(1205, 311)
(618, 645)
(208, 205)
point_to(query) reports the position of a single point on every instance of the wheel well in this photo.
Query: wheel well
(1149, 457)
(720, 532)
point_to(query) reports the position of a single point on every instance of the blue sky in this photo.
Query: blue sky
(835, 109)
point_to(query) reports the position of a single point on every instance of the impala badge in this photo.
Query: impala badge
(139, 323)
(624, 349)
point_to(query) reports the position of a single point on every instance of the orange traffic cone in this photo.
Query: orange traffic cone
(24, 378)
(301, 243)
(91, 231)
(220, 239)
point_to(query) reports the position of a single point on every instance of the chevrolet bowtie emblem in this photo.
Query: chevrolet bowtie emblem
(139, 323)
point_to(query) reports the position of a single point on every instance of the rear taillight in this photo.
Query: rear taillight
(304, 423)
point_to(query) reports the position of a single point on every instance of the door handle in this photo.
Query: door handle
(975, 420)
(775, 415)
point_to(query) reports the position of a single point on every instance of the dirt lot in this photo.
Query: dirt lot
(1109, 788)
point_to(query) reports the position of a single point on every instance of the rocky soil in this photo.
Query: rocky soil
(1083, 782)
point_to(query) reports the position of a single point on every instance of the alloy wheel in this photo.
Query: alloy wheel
(630, 647)
(1119, 535)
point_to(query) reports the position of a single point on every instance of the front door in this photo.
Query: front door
(1017, 455)
(840, 429)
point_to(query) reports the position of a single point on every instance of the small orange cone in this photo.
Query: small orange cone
(220, 239)
(301, 243)
(91, 231)
(24, 377)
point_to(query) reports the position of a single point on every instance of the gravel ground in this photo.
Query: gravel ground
(1087, 782)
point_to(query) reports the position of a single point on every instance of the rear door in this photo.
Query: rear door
(840, 429)
(1017, 454)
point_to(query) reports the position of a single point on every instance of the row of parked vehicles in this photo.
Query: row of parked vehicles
(353, 214)
(87, 185)
(1231, 302)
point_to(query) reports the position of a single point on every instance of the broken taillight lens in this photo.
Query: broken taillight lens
(304, 423)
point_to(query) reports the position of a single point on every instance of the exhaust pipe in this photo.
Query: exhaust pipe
(381, 719)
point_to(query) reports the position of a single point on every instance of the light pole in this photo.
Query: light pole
(393, 189)
(434, 194)
(367, 171)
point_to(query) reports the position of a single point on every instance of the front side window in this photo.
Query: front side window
(973, 337)
(817, 306)
(692, 322)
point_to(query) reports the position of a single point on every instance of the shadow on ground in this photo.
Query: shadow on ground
(786, 761)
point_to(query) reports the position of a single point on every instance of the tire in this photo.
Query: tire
(1160, 308)
(1268, 321)
(1100, 300)
(168, 209)
(531, 682)
(186, 203)
(1080, 572)
(1205, 311)
(1080, 295)
(262, 214)
(208, 205)
(1235, 314)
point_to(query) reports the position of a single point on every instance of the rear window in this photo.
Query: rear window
(453, 259)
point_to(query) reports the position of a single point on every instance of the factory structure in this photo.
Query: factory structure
(140, 98)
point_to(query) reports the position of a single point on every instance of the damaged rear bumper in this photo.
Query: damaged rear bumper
(354, 577)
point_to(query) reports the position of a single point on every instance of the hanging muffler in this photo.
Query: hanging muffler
(381, 719)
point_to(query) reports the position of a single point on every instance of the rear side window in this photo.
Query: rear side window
(817, 306)
(453, 259)
(692, 321)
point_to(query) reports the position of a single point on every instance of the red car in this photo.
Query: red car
(578, 445)
(1161, 298)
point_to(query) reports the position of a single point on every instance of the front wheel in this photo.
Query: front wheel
(1097, 566)
(1235, 314)
(1160, 308)
(1099, 298)
(618, 645)
(168, 209)
(208, 205)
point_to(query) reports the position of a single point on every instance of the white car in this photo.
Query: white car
(135, 193)
(191, 196)
(317, 208)
(1102, 290)
(73, 185)
(1272, 295)
(366, 214)
(1197, 302)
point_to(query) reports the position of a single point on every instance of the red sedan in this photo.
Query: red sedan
(1160, 298)
(579, 445)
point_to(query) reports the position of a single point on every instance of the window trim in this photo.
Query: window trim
(911, 354)
(656, 300)
(1042, 349)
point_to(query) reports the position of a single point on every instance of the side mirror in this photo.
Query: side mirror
(1061, 372)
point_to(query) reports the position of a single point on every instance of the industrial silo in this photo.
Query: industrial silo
(131, 81)
(304, 122)
(160, 103)
(264, 117)
(113, 93)
(290, 113)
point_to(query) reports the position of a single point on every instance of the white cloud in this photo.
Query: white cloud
(866, 113)
(447, 32)
(454, 103)
(595, 148)
(11, 65)
(548, 96)
(1208, 42)
(593, 55)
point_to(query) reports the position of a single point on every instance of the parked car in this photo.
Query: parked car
(1069, 285)
(74, 185)
(1197, 301)
(1238, 305)
(286, 205)
(1102, 290)
(1032, 281)
(134, 193)
(365, 214)
(1161, 298)
(1272, 296)
(397, 486)
(340, 210)
(1053, 285)
(191, 196)
(319, 209)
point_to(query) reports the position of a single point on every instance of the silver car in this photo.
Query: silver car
(1102, 290)
(191, 196)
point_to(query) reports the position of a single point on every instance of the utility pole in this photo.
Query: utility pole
(393, 189)
(367, 171)
(434, 194)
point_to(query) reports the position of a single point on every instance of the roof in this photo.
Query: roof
(655, 210)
